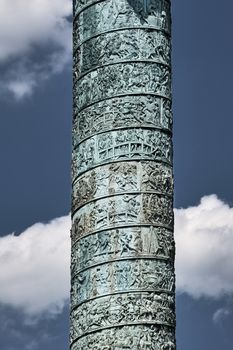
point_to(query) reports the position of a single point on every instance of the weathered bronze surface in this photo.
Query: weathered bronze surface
(122, 266)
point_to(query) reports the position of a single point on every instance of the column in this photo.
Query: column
(122, 264)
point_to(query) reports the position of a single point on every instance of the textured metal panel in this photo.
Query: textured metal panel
(122, 263)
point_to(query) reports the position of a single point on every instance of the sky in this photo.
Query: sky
(35, 150)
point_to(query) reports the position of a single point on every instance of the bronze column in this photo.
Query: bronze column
(122, 268)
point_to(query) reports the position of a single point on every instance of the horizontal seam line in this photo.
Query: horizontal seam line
(170, 196)
(123, 95)
(152, 28)
(120, 292)
(122, 325)
(169, 228)
(119, 62)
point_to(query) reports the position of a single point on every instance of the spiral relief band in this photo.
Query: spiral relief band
(122, 259)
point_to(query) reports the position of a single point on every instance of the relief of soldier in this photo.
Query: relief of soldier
(125, 46)
(127, 209)
(123, 145)
(116, 14)
(111, 81)
(107, 246)
(150, 337)
(121, 112)
(120, 276)
(123, 309)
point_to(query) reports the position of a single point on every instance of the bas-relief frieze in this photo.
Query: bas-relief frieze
(122, 276)
(141, 337)
(123, 309)
(122, 260)
(140, 144)
(113, 15)
(149, 209)
(138, 5)
(127, 45)
(124, 243)
(146, 8)
(118, 178)
(79, 5)
(129, 78)
(121, 112)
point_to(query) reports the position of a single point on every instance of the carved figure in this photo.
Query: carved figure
(122, 260)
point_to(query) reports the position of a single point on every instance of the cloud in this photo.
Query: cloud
(22, 86)
(204, 240)
(32, 345)
(35, 42)
(221, 314)
(34, 274)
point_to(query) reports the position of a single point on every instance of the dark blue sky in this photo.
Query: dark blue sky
(203, 104)
(35, 149)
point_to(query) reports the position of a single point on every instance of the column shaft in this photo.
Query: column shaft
(122, 268)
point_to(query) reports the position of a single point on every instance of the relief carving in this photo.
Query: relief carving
(157, 177)
(139, 337)
(121, 112)
(122, 259)
(123, 309)
(128, 78)
(157, 209)
(116, 14)
(123, 276)
(118, 178)
(129, 242)
(146, 8)
(123, 145)
(127, 45)
(149, 209)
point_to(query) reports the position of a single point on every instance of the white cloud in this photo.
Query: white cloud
(204, 239)
(34, 272)
(35, 41)
(221, 314)
(21, 88)
(26, 23)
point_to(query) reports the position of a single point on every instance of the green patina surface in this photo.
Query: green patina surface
(122, 264)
